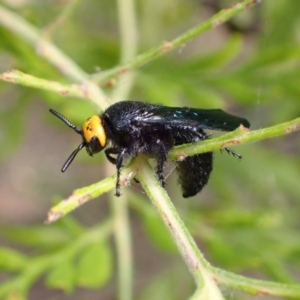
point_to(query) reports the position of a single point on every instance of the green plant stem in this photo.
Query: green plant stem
(128, 40)
(79, 197)
(122, 236)
(253, 286)
(51, 53)
(129, 43)
(61, 18)
(180, 41)
(187, 246)
(82, 195)
(191, 254)
(234, 138)
(17, 77)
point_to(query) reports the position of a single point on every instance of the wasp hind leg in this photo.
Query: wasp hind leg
(161, 159)
(235, 154)
(160, 170)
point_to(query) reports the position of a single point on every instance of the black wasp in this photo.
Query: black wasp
(132, 127)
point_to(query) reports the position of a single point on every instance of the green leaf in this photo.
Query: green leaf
(62, 277)
(37, 235)
(95, 266)
(12, 260)
(271, 58)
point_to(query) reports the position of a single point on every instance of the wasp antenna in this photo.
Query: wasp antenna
(72, 156)
(65, 120)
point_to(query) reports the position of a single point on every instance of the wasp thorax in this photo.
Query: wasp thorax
(93, 129)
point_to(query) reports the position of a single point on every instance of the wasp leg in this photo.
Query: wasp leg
(112, 151)
(113, 160)
(161, 159)
(235, 154)
(119, 165)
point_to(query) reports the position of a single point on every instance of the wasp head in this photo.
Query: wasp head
(93, 136)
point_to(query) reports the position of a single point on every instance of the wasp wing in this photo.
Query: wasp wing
(172, 117)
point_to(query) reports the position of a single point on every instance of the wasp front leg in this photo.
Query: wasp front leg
(118, 161)
(119, 165)
(112, 151)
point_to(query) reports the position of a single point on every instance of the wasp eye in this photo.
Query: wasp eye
(94, 146)
(94, 134)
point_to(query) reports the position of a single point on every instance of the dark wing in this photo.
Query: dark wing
(172, 117)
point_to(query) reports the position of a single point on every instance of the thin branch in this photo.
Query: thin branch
(61, 18)
(129, 43)
(253, 286)
(51, 53)
(240, 136)
(122, 236)
(187, 246)
(85, 194)
(70, 90)
(122, 233)
(180, 41)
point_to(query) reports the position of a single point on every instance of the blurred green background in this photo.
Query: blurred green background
(247, 218)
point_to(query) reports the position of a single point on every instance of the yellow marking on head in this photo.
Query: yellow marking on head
(94, 127)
